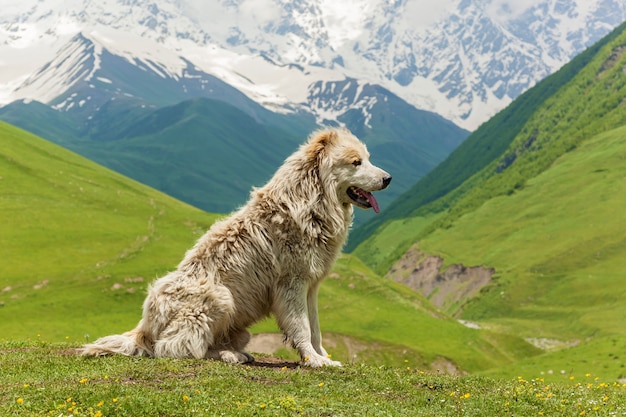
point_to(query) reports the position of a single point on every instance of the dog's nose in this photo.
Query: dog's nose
(386, 181)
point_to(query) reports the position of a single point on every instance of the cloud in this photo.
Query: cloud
(425, 13)
(345, 19)
(261, 11)
(505, 10)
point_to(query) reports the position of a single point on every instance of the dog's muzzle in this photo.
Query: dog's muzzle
(386, 181)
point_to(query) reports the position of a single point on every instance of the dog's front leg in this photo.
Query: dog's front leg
(316, 334)
(291, 311)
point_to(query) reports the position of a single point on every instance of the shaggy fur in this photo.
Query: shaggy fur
(269, 257)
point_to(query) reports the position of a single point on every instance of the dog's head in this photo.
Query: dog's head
(345, 166)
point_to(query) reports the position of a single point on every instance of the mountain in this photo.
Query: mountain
(463, 59)
(81, 244)
(191, 135)
(543, 214)
(290, 68)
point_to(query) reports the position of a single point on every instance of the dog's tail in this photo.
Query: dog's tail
(132, 343)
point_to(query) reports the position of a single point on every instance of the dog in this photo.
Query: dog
(268, 257)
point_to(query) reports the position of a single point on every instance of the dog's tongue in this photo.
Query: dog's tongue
(373, 202)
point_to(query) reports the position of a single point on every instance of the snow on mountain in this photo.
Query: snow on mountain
(464, 59)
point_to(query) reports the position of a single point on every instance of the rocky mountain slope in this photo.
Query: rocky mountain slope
(461, 59)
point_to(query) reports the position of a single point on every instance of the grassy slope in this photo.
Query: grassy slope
(551, 222)
(75, 229)
(81, 243)
(558, 246)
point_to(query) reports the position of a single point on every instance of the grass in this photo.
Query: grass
(50, 379)
(600, 356)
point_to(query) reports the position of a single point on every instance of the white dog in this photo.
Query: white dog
(269, 257)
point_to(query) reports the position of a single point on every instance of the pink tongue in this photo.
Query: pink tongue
(373, 202)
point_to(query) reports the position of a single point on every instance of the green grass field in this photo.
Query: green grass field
(49, 379)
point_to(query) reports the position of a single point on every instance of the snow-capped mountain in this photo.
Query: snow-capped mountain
(128, 106)
(463, 59)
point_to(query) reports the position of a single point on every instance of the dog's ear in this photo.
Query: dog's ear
(320, 141)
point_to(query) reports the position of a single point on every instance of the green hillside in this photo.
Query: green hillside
(548, 215)
(81, 243)
(73, 231)
(464, 167)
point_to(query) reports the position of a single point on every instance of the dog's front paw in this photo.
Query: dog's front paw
(317, 361)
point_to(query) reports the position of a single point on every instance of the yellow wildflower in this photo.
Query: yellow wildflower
(19, 400)
(185, 398)
(100, 404)
(321, 384)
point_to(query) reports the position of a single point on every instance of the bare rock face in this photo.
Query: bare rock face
(447, 289)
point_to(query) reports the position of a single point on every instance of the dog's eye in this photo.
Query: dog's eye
(356, 162)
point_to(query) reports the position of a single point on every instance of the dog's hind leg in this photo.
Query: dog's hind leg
(187, 336)
(197, 327)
